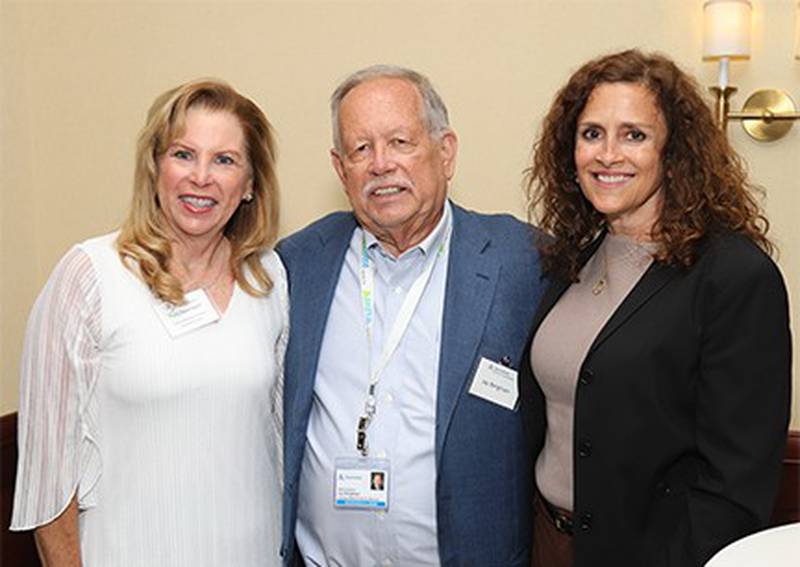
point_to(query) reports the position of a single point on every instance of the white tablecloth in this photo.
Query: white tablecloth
(775, 547)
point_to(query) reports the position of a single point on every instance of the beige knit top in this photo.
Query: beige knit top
(561, 344)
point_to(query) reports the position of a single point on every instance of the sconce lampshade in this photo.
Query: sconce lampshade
(726, 29)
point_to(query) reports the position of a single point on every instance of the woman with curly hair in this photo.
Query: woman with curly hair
(151, 391)
(659, 363)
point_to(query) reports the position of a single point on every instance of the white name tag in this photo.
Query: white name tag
(198, 311)
(361, 483)
(495, 383)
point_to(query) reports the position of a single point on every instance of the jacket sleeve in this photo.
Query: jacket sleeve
(742, 401)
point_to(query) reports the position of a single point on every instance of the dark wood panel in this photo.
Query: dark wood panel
(787, 506)
(17, 549)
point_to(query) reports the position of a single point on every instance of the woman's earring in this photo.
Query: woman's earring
(247, 197)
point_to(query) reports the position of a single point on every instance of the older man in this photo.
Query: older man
(409, 316)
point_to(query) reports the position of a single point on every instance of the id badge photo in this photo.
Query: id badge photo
(361, 483)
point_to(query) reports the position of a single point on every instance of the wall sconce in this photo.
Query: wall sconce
(767, 114)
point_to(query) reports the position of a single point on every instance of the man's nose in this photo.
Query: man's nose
(382, 161)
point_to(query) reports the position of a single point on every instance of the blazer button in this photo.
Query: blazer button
(586, 521)
(584, 448)
(586, 377)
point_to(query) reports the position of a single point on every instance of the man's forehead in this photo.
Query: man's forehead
(392, 92)
(383, 106)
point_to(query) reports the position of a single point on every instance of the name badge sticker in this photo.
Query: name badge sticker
(198, 311)
(361, 484)
(495, 383)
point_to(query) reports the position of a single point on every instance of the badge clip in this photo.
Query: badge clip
(361, 435)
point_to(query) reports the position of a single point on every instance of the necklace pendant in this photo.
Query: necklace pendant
(599, 286)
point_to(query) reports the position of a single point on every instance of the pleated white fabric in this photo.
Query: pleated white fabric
(173, 446)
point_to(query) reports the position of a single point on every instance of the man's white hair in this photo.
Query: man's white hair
(434, 112)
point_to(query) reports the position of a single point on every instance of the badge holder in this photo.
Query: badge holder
(361, 484)
(496, 383)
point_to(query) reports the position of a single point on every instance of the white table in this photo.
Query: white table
(775, 547)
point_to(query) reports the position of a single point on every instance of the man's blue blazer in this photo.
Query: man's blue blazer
(484, 464)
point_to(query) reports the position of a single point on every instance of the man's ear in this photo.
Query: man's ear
(448, 145)
(338, 165)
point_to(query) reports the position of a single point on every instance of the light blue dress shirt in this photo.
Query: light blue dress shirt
(403, 430)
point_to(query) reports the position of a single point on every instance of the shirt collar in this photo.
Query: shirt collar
(432, 242)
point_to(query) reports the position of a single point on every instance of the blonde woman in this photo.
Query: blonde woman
(151, 378)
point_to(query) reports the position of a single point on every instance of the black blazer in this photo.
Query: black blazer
(681, 410)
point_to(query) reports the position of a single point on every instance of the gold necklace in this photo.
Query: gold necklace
(602, 281)
(599, 286)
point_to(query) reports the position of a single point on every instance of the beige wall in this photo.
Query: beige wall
(77, 79)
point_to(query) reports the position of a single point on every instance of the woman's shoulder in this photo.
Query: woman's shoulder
(733, 256)
(82, 258)
(271, 262)
(273, 265)
(101, 245)
(735, 247)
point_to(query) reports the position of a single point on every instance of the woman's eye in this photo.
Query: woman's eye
(225, 160)
(590, 134)
(182, 154)
(637, 135)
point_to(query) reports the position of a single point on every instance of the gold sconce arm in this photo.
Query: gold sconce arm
(767, 114)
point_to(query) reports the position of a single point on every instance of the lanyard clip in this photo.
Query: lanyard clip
(361, 435)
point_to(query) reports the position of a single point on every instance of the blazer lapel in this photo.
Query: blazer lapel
(472, 274)
(554, 291)
(312, 292)
(655, 278)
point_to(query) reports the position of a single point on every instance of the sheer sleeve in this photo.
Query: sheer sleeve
(281, 288)
(58, 455)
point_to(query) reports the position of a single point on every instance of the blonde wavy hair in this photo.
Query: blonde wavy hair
(143, 244)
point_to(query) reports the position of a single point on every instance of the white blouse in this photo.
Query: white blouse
(172, 445)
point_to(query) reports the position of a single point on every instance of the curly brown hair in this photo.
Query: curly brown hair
(705, 184)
